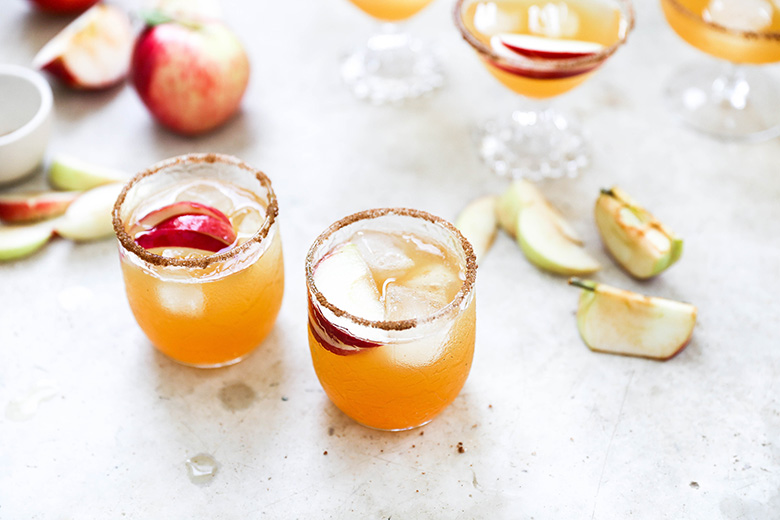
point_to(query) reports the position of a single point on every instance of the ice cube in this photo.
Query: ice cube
(741, 15)
(490, 20)
(384, 253)
(403, 302)
(346, 282)
(415, 353)
(554, 20)
(209, 193)
(248, 221)
(185, 299)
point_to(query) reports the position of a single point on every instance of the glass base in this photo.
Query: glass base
(533, 144)
(390, 68)
(223, 364)
(729, 102)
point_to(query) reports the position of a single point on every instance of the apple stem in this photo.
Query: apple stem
(152, 17)
(608, 192)
(582, 284)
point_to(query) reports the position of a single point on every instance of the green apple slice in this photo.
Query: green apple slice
(69, 173)
(520, 194)
(20, 241)
(89, 216)
(623, 322)
(345, 280)
(479, 224)
(547, 244)
(636, 240)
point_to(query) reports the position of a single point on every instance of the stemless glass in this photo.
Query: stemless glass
(203, 309)
(392, 65)
(537, 141)
(725, 98)
(393, 375)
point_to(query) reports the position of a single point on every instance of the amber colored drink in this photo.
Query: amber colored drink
(756, 40)
(391, 316)
(204, 308)
(584, 20)
(391, 10)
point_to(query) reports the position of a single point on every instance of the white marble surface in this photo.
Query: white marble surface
(551, 430)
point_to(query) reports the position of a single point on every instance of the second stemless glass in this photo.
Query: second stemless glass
(392, 65)
(200, 309)
(727, 99)
(393, 375)
(537, 141)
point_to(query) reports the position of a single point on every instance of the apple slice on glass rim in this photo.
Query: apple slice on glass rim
(345, 280)
(617, 321)
(184, 224)
(544, 48)
(92, 52)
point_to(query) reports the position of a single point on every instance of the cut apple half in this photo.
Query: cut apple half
(20, 241)
(30, 207)
(545, 48)
(638, 242)
(203, 232)
(623, 322)
(93, 52)
(89, 216)
(69, 173)
(345, 280)
(479, 224)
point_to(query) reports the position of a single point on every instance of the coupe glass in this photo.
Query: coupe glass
(392, 65)
(537, 141)
(726, 98)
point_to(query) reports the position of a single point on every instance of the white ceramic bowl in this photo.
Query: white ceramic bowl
(25, 121)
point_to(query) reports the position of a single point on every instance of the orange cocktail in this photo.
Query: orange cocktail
(391, 315)
(201, 257)
(391, 10)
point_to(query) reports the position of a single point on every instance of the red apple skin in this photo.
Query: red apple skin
(334, 338)
(16, 209)
(191, 78)
(63, 6)
(193, 231)
(173, 210)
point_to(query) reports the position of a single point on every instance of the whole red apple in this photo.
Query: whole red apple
(63, 6)
(191, 76)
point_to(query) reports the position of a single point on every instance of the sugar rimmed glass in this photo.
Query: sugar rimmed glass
(209, 310)
(536, 141)
(393, 375)
(725, 98)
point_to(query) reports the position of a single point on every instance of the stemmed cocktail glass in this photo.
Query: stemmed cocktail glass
(540, 50)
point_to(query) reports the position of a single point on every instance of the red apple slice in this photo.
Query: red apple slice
(547, 48)
(93, 52)
(63, 6)
(334, 338)
(193, 231)
(29, 207)
(176, 209)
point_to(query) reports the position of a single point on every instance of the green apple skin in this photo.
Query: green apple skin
(637, 241)
(616, 321)
(520, 194)
(20, 241)
(67, 173)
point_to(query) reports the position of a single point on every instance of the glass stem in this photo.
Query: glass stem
(731, 88)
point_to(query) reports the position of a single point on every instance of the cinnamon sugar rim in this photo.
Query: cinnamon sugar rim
(271, 211)
(753, 35)
(542, 64)
(465, 289)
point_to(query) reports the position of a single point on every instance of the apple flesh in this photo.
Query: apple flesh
(479, 224)
(191, 231)
(20, 241)
(69, 173)
(623, 322)
(636, 240)
(345, 280)
(91, 53)
(63, 6)
(31, 207)
(548, 48)
(191, 77)
(520, 65)
(89, 216)
(545, 237)
(176, 209)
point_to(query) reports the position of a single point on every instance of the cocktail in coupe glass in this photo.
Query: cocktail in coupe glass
(392, 65)
(201, 257)
(391, 315)
(540, 49)
(727, 99)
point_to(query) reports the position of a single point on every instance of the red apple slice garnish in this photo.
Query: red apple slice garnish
(93, 52)
(545, 48)
(334, 338)
(29, 207)
(158, 216)
(193, 231)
